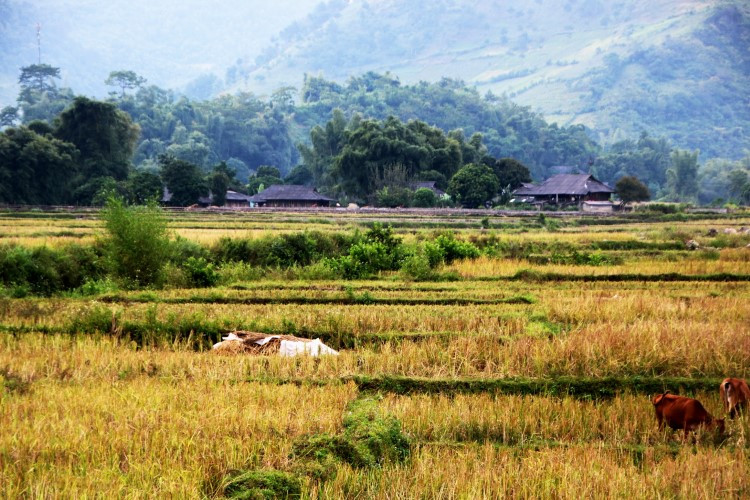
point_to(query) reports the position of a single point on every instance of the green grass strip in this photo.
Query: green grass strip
(578, 387)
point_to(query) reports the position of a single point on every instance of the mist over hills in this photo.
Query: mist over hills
(673, 67)
(171, 43)
(676, 68)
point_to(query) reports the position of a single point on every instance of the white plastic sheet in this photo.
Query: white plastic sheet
(312, 348)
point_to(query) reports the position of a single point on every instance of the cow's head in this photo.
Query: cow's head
(657, 399)
(718, 424)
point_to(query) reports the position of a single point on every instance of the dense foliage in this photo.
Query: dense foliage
(357, 141)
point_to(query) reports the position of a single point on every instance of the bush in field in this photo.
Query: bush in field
(45, 271)
(298, 249)
(424, 198)
(181, 249)
(378, 251)
(137, 241)
(200, 272)
(292, 249)
(417, 267)
(454, 249)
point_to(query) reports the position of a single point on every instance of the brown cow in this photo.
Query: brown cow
(688, 414)
(736, 394)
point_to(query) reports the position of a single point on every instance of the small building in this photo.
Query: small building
(279, 195)
(233, 200)
(565, 189)
(599, 207)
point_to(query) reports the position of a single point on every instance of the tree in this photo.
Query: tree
(104, 135)
(630, 189)
(39, 77)
(473, 185)
(143, 186)
(39, 97)
(137, 241)
(35, 169)
(219, 181)
(126, 80)
(682, 176)
(300, 175)
(184, 181)
(8, 116)
(510, 172)
(265, 176)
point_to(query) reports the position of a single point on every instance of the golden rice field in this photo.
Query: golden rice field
(119, 395)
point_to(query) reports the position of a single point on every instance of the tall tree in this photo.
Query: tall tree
(39, 97)
(630, 189)
(39, 77)
(104, 135)
(183, 180)
(35, 169)
(125, 80)
(682, 176)
(473, 185)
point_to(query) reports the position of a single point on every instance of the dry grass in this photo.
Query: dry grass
(100, 416)
(152, 436)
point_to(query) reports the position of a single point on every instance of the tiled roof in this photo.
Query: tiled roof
(566, 184)
(278, 192)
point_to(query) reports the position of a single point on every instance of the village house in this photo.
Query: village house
(233, 200)
(565, 189)
(290, 196)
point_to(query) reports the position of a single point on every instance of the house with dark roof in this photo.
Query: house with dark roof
(431, 185)
(279, 195)
(233, 200)
(565, 189)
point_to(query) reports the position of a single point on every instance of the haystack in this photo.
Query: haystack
(240, 342)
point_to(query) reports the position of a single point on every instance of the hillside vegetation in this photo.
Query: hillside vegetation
(674, 68)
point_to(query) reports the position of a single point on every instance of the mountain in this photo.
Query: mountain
(670, 67)
(673, 68)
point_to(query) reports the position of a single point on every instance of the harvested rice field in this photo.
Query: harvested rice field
(520, 363)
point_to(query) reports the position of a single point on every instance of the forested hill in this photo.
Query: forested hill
(671, 67)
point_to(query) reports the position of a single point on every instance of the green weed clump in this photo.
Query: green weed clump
(262, 484)
(370, 439)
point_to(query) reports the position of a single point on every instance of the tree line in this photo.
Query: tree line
(370, 140)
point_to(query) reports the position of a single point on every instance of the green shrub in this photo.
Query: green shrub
(262, 484)
(137, 241)
(200, 272)
(435, 254)
(454, 249)
(424, 198)
(181, 249)
(379, 250)
(45, 271)
(299, 249)
(233, 272)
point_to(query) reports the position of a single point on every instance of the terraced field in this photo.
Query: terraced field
(525, 372)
